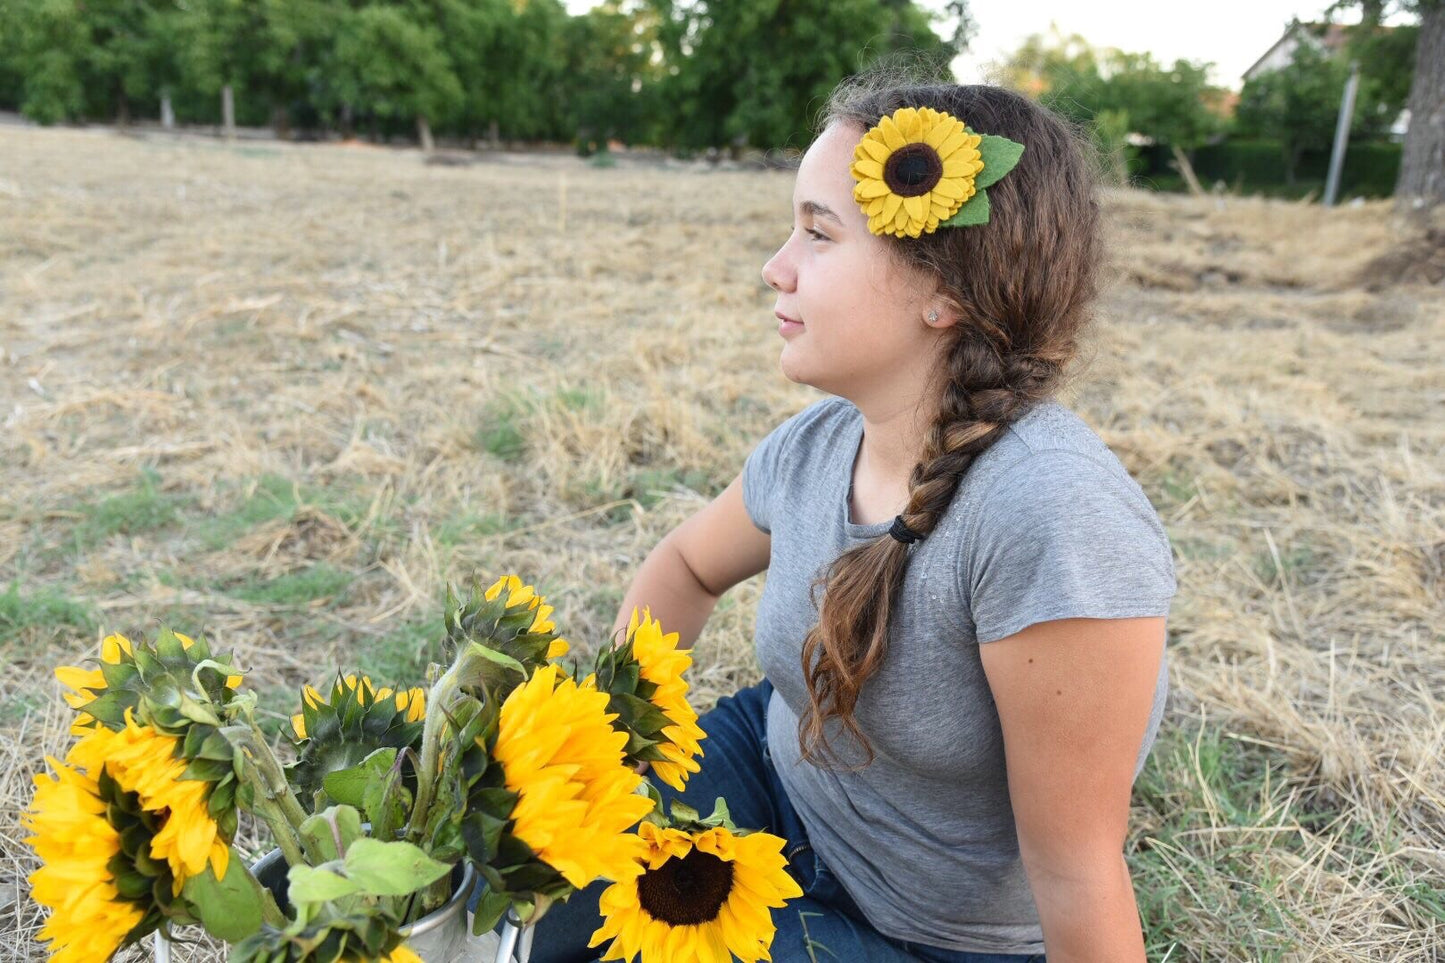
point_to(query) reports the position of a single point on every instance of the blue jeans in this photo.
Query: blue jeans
(824, 925)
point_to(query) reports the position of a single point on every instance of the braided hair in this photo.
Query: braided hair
(1023, 285)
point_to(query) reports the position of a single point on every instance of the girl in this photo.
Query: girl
(963, 623)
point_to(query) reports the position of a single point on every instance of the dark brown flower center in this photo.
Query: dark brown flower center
(912, 170)
(686, 891)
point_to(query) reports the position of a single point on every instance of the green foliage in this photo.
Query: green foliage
(757, 71)
(1299, 104)
(393, 66)
(693, 74)
(1113, 93)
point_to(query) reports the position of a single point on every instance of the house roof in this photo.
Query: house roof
(1332, 36)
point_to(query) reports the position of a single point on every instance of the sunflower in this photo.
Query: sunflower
(662, 663)
(575, 800)
(336, 731)
(146, 762)
(915, 169)
(88, 684)
(517, 594)
(412, 701)
(89, 918)
(702, 895)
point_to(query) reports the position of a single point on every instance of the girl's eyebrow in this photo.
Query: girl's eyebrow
(818, 209)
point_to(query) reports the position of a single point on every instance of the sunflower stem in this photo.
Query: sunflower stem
(431, 733)
(286, 838)
(278, 788)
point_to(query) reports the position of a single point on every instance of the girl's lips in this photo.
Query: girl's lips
(786, 327)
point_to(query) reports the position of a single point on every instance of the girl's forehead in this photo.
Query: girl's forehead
(825, 165)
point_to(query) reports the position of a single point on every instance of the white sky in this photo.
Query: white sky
(1232, 34)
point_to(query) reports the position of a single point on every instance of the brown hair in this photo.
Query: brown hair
(1022, 285)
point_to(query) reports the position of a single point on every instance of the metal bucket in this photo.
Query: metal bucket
(438, 937)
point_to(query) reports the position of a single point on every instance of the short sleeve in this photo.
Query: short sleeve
(1059, 535)
(766, 465)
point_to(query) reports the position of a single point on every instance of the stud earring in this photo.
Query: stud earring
(933, 317)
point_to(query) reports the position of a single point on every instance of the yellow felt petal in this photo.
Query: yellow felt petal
(892, 136)
(892, 204)
(868, 168)
(875, 148)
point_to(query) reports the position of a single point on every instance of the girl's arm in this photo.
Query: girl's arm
(694, 564)
(1073, 699)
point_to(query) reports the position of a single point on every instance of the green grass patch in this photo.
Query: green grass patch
(43, 612)
(1216, 805)
(145, 509)
(459, 529)
(14, 708)
(1296, 562)
(301, 587)
(274, 498)
(400, 657)
(506, 421)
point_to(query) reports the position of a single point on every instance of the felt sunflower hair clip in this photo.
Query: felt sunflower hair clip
(920, 169)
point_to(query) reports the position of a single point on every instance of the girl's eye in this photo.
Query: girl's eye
(817, 235)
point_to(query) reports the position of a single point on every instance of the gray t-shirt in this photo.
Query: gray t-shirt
(1046, 524)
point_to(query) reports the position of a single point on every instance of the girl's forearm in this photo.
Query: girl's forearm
(1089, 916)
(665, 585)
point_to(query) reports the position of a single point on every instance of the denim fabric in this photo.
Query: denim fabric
(824, 924)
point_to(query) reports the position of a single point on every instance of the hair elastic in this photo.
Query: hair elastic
(903, 533)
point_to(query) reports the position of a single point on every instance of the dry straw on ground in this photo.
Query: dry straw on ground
(282, 393)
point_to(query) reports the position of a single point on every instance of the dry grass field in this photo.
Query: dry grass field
(282, 394)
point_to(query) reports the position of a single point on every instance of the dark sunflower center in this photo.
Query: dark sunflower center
(912, 170)
(687, 891)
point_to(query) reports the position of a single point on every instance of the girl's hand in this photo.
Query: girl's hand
(641, 767)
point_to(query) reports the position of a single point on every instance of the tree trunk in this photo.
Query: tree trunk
(122, 109)
(423, 134)
(168, 113)
(228, 112)
(1186, 170)
(494, 137)
(1421, 186)
(281, 121)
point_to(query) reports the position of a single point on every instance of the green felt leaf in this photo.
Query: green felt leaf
(999, 157)
(974, 211)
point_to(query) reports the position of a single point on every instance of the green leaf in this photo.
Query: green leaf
(311, 885)
(974, 211)
(348, 786)
(329, 833)
(999, 157)
(489, 910)
(501, 658)
(391, 869)
(229, 908)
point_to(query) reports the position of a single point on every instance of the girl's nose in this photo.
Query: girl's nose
(776, 274)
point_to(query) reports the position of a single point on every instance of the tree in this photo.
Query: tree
(1421, 185)
(1115, 93)
(613, 66)
(1299, 104)
(756, 71)
(394, 68)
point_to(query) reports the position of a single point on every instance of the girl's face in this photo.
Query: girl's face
(862, 333)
